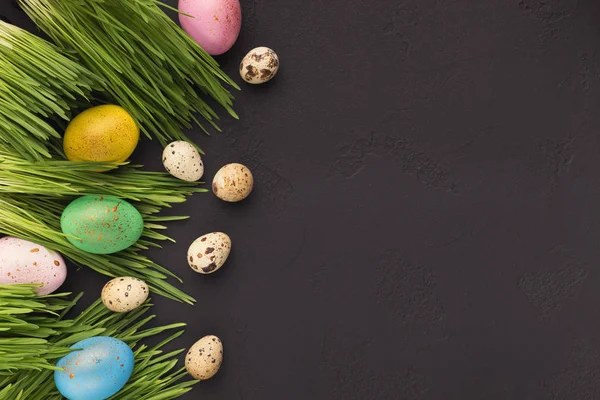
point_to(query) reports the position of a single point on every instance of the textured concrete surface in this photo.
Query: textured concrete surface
(426, 218)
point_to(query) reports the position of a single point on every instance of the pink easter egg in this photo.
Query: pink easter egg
(26, 262)
(216, 24)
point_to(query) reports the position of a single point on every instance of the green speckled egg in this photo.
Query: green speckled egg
(101, 225)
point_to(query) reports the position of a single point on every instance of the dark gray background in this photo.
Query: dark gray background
(426, 217)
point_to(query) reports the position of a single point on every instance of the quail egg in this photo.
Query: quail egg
(208, 253)
(205, 357)
(259, 66)
(233, 183)
(124, 294)
(182, 160)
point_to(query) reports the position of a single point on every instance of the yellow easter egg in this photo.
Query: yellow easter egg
(104, 133)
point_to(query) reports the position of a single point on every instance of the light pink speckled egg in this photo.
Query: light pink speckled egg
(216, 24)
(26, 262)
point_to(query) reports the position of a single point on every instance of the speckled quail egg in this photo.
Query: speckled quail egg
(259, 66)
(233, 182)
(205, 357)
(208, 253)
(182, 160)
(124, 294)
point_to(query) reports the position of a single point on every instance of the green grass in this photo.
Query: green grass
(147, 63)
(37, 84)
(33, 195)
(155, 376)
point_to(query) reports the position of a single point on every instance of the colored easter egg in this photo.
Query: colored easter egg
(101, 225)
(101, 368)
(214, 24)
(103, 133)
(22, 261)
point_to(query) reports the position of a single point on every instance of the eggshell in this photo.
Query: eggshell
(103, 133)
(124, 294)
(99, 370)
(182, 160)
(216, 24)
(26, 262)
(259, 66)
(233, 182)
(101, 225)
(208, 253)
(205, 357)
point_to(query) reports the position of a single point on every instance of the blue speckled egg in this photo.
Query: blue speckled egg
(100, 369)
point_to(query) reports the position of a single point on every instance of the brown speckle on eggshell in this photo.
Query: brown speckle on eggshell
(124, 294)
(233, 182)
(204, 358)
